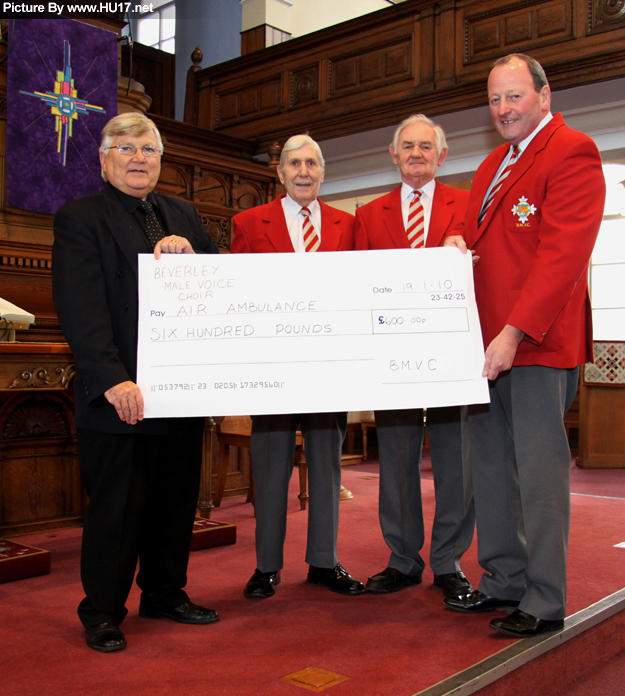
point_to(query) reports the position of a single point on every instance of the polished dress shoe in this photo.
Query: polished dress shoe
(106, 637)
(454, 585)
(262, 584)
(336, 579)
(391, 580)
(522, 625)
(186, 613)
(477, 602)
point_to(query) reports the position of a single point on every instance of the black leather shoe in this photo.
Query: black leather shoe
(107, 637)
(454, 585)
(187, 613)
(391, 580)
(477, 602)
(262, 584)
(336, 579)
(522, 625)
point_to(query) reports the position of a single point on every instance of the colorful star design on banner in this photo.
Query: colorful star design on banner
(64, 104)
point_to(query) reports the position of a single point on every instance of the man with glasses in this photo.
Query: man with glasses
(141, 476)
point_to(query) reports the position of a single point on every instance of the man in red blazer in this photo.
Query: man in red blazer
(418, 149)
(297, 222)
(535, 210)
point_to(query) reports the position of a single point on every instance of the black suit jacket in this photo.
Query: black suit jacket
(94, 283)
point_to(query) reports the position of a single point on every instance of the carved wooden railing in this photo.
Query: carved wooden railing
(215, 173)
(418, 56)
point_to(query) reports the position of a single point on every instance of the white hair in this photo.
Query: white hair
(130, 123)
(441, 143)
(297, 141)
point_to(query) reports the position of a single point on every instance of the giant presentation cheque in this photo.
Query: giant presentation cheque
(300, 333)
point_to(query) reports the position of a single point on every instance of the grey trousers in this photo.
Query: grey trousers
(521, 468)
(400, 441)
(273, 450)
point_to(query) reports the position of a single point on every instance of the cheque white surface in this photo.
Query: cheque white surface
(248, 334)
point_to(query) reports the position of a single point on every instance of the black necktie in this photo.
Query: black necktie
(153, 227)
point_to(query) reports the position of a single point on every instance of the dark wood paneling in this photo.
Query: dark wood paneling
(604, 15)
(215, 173)
(304, 84)
(252, 101)
(601, 432)
(487, 37)
(417, 56)
(156, 71)
(370, 69)
(40, 485)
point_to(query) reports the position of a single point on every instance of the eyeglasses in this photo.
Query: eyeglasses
(130, 150)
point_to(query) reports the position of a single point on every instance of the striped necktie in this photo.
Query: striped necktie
(416, 222)
(498, 183)
(153, 227)
(311, 238)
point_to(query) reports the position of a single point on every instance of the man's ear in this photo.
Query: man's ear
(393, 155)
(545, 94)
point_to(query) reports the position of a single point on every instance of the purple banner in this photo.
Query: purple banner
(62, 90)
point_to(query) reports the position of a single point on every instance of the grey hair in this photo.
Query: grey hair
(536, 69)
(441, 142)
(130, 123)
(297, 141)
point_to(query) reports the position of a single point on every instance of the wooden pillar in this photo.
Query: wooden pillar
(191, 93)
(253, 39)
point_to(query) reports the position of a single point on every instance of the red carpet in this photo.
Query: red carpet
(392, 645)
(608, 680)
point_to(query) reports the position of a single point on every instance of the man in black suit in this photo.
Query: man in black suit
(141, 476)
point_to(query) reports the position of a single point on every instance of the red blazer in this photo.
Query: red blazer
(533, 270)
(379, 224)
(263, 230)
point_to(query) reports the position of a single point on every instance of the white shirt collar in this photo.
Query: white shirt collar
(524, 143)
(292, 208)
(426, 190)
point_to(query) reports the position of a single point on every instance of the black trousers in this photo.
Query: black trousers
(143, 492)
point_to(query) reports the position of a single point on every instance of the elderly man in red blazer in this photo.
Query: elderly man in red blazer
(534, 214)
(420, 213)
(297, 222)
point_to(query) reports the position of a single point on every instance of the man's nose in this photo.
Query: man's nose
(504, 107)
(139, 156)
